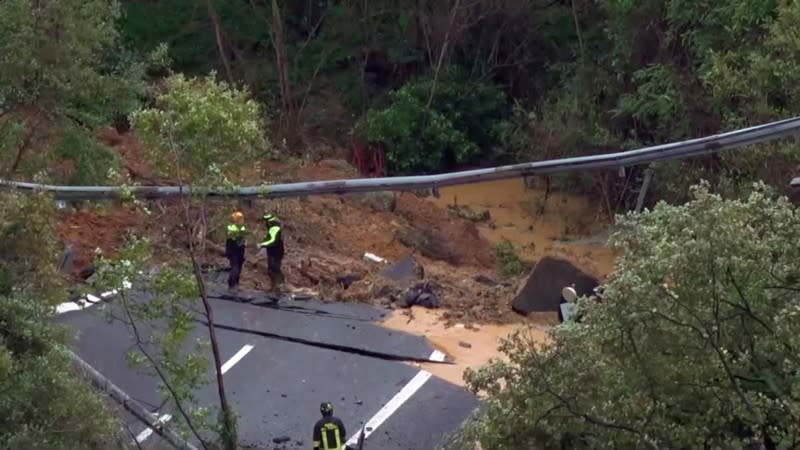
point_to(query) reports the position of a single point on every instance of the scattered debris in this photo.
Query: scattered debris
(464, 344)
(345, 281)
(483, 279)
(281, 439)
(420, 294)
(374, 257)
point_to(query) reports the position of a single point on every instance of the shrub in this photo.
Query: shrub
(423, 133)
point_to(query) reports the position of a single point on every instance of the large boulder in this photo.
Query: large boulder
(541, 290)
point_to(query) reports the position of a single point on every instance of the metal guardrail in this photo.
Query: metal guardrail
(130, 405)
(672, 151)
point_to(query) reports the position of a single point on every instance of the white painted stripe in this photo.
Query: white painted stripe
(397, 401)
(67, 307)
(437, 356)
(236, 358)
(225, 367)
(141, 437)
(84, 302)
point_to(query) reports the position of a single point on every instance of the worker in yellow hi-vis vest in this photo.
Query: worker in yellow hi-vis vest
(329, 432)
(234, 248)
(274, 249)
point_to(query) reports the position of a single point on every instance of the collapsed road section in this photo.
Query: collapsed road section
(283, 360)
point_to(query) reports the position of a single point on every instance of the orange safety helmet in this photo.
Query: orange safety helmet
(237, 217)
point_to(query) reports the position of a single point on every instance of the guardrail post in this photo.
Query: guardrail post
(648, 175)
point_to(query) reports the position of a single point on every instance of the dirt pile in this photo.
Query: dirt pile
(328, 236)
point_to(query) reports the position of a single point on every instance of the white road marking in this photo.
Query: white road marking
(397, 401)
(141, 437)
(236, 358)
(83, 303)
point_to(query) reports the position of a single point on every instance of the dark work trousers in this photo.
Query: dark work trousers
(235, 253)
(274, 259)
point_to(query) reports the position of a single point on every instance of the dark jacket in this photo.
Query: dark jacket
(329, 434)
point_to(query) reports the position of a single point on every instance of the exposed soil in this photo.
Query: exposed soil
(568, 226)
(327, 236)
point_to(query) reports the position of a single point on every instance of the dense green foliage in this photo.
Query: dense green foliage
(62, 75)
(693, 345)
(432, 125)
(43, 401)
(199, 127)
(582, 76)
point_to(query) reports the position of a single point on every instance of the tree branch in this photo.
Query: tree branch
(443, 52)
(159, 372)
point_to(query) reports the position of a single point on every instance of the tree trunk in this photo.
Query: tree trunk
(443, 51)
(229, 435)
(26, 143)
(288, 117)
(212, 13)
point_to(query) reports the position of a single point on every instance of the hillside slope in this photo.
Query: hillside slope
(327, 236)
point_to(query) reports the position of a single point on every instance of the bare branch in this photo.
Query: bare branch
(157, 368)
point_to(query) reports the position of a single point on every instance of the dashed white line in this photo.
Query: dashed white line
(147, 432)
(397, 401)
(83, 303)
(236, 358)
(89, 300)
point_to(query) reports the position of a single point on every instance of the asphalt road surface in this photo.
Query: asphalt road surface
(281, 361)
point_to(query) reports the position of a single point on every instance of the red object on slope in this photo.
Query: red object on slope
(369, 160)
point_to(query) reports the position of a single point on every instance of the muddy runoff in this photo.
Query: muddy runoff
(565, 226)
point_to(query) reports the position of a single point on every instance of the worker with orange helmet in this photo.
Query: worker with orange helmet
(234, 248)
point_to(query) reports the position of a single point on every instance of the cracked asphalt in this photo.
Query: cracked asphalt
(281, 361)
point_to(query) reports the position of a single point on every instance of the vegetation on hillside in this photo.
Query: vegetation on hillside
(440, 84)
(693, 343)
(43, 401)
